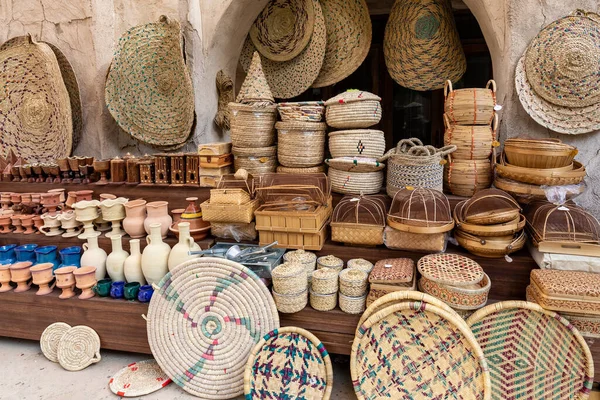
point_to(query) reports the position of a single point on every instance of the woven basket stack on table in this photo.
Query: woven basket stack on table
(391, 275)
(354, 286)
(353, 168)
(290, 287)
(216, 160)
(490, 224)
(471, 125)
(331, 262)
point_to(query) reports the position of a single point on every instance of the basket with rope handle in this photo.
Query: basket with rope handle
(473, 106)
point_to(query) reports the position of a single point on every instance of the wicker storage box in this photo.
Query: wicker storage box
(473, 142)
(229, 196)
(289, 278)
(256, 160)
(352, 305)
(242, 213)
(359, 220)
(268, 219)
(471, 297)
(467, 177)
(393, 271)
(566, 291)
(324, 281)
(214, 149)
(331, 262)
(295, 240)
(357, 143)
(470, 106)
(216, 161)
(290, 303)
(252, 126)
(208, 181)
(420, 242)
(311, 111)
(362, 264)
(307, 259)
(379, 290)
(301, 144)
(323, 302)
(353, 282)
(353, 109)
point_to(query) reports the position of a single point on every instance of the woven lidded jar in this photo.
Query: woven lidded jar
(291, 303)
(361, 263)
(332, 262)
(307, 259)
(353, 109)
(324, 281)
(353, 282)
(352, 305)
(323, 302)
(289, 278)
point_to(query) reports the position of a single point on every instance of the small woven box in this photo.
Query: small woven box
(566, 291)
(323, 302)
(305, 258)
(289, 278)
(392, 271)
(330, 262)
(353, 282)
(352, 305)
(291, 303)
(324, 281)
(361, 263)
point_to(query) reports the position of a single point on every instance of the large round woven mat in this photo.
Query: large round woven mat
(417, 351)
(149, 90)
(283, 28)
(349, 33)
(138, 379)
(559, 119)
(289, 363)
(421, 45)
(35, 104)
(562, 61)
(450, 269)
(291, 78)
(203, 322)
(79, 348)
(50, 339)
(532, 353)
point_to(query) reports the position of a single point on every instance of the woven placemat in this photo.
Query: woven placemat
(138, 379)
(149, 89)
(204, 319)
(50, 339)
(450, 269)
(532, 353)
(288, 363)
(416, 350)
(79, 348)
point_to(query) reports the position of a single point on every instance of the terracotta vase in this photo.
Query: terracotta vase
(5, 278)
(71, 199)
(155, 258)
(65, 280)
(5, 224)
(115, 261)
(133, 264)
(180, 252)
(158, 213)
(135, 215)
(42, 276)
(84, 195)
(94, 256)
(20, 274)
(85, 278)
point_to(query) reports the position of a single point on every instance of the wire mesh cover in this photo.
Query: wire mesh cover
(489, 206)
(287, 192)
(548, 222)
(413, 209)
(363, 210)
(241, 180)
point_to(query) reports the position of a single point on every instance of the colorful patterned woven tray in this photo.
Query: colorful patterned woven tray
(138, 379)
(450, 269)
(204, 319)
(393, 270)
(288, 363)
(417, 351)
(532, 353)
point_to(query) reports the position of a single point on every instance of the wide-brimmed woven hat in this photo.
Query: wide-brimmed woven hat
(421, 45)
(349, 33)
(291, 78)
(283, 28)
(560, 119)
(255, 89)
(562, 61)
(34, 103)
(149, 89)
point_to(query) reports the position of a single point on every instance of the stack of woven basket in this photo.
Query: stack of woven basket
(471, 124)
(253, 118)
(353, 168)
(354, 286)
(391, 275)
(290, 287)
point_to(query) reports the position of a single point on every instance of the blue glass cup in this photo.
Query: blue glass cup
(117, 289)
(145, 293)
(26, 252)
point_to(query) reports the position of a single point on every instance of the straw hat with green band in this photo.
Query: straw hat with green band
(421, 46)
(149, 89)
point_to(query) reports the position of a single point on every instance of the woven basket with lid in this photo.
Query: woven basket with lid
(362, 264)
(289, 278)
(467, 177)
(353, 109)
(470, 297)
(359, 220)
(348, 182)
(488, 207)
(566, 291)
(353, 282)
(291, 303)
(331, 262)
(393, 270)
(324, 281)
(368, 143)
(450, 269)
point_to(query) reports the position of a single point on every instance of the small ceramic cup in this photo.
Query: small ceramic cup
(5, 278)
(65, 280)
(42, 276)
(102, 288)
(20, 274)
(145, 293)
(86, 280)
(131, 290)
(117, 290)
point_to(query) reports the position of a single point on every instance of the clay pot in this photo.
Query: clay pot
(69, 224)
(84, 195)
(155, 258)
(27, 223)
(87, 212)
(132, 268)
(180, 252)
(71, 199)
(61, 194)
(38, 222)
(133, 223)
(65, 280)
(51, 225)
(115, 262)
(5, 278)
(5, 224)
(102, 166)
(86, 280)
(50, 198)
(94, 256)
(15, 198)
(177, 215)
(42, 276)
(158, 213)
(113, 210)
(16, 222)
(20, 274)
(107, 196)
(36, 198)
(26, 198)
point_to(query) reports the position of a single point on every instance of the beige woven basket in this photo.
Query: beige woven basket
(252, 126)
(301, 144)
(307, 170)
(353, 109)
(473, 142)
(302, 111)
(352, 305)
(242, 213)
(361, 263)
(324, 281)
(289, 278)
(229, 196)
(346, 182)
(323, 302)
(470, 106)
(255, 165)
(536, 176)
(357, 234)
(491, 247)
(306, 259)
(291, 303)
(331, 262)
(470, 297)
(353, 282)
(467, 177)
(358, 142)
(544, 153)
(421, 242)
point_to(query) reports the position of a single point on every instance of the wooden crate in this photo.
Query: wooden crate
(293, 221)
(295, 240)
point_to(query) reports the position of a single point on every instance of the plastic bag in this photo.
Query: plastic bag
(237, 232)
(559, 195)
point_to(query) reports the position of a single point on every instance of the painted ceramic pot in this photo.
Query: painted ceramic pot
(158, 213)
(65, 280)
(70, 256)
(47, 254)
(7, 254)
(26, 252)
(42, 275)
(20, 274)
(85, 278)
(94, 256)
(5, 278)
(131, 290)
(133, 223)
(102, 287)
(145, 293)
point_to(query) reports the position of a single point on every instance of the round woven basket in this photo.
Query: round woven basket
(324, 281)
(459, 298)
(491, 247)
(291, 303)
(467, 177)
(355, 164)
(289, 278)
(536, 176)
(289, 363)
(149, 89)
(301, 144)
(542, 154)
(307, 259)
(352, 305)
(346, 182)
(78, 348)
(138, 379)
(470, 106)
(361, 263)
(526, 193)
(307, 111)
(332, 262)
(353, 282)
(204, 318)
(473, 142)
(51, 338)
(309, 170)
(323, 302)
(357, 142)
(252, 126)
(450, 269)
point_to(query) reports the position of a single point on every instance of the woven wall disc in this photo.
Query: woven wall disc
(349, 33)
(203, 322)
(421, 45)
(417, 351)
(283, 28)
(450, 269)
(562, 61)
(532, 353)
(289, 363)
(50, 339)
(79, 348)
(148, 89)
(138, 379)
(35, 104)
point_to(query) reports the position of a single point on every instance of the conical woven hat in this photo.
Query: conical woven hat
(255, 88)
(34, 103)
(291, 78)
(149, 90)
(421, 45)
(283, 28)
(349, 33)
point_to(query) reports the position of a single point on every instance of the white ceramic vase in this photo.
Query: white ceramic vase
(180, 252)
(155, 258)
(133, 264)
(116, 260)
(94, 256)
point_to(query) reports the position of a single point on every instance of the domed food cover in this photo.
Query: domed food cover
(420, 210)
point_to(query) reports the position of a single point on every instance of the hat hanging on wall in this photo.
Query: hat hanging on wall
(255, 89)
(35, 103)
(421, 45)
(283, 29)
(291, 78)
(149, 89)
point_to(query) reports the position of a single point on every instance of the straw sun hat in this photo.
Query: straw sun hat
(149, 89)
